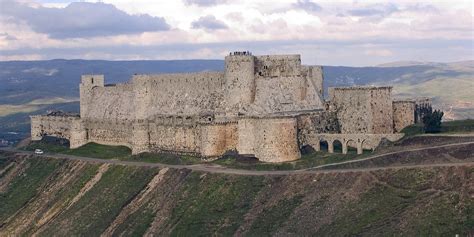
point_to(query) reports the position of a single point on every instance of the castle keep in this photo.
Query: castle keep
(265, 106)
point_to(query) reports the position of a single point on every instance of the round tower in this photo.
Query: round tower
(239, 80)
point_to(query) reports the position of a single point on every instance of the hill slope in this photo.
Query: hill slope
(59, 197)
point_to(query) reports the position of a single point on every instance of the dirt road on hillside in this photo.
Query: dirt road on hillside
(213, 168)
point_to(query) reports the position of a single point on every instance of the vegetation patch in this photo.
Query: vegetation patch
(372, 214)
(460, 126)
(100, 151)
(308, 160)
(212, 204)
(136, 224)
(25, 186)
(165, 158)
(271, 219)
(88, 150)
(444, 215)
(94, 212)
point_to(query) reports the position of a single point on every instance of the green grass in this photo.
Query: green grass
(136, 224)
(26, 186)
(381, 209)
(413, 130)
(459, 126)
(100, 151)
(47, 147)
(94, 212)
(441, 217)
(307, 161)
(123, 153)
(372, 211)
(271, 219)
(405, 202)
(212, 204)
(4, 161)
(165, 158)
(89, 150)
(64, 195)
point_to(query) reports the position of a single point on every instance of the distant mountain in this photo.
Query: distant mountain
(417, 63)
(408, 64)
(31, 87)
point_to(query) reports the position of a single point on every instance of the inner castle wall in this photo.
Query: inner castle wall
(363, 109)
(403, 114)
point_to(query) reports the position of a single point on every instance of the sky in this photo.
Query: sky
(349, 33)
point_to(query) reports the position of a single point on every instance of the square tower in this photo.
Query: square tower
(88, 82)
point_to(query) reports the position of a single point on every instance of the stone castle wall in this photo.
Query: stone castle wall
(381, 108)
(271, 140)
(216, 139)
(59, 126)
(172, 94)
(111, 103)
(363, 109)
(403, 114)
(109, 132)
(321, 122)
(267, 106)
(239, 82)
(352, 106)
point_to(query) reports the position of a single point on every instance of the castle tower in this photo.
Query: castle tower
(88, 82)
(78, 135)
(239, 80)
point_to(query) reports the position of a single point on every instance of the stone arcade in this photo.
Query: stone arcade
(266, 106)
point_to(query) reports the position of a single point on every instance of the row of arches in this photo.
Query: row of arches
(339, 145)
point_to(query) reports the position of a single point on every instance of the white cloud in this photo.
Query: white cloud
(393, 29)
(378, 52)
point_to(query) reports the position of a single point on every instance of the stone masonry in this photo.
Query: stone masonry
(263, 106)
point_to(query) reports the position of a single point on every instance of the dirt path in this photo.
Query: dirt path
(467, 134)
(213, 168)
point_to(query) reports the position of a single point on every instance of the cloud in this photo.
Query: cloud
(208, 22)
(370, 51)
(378, 52)
(307, 6)
(82, 20)
(376, 10)
(6, 36)
(204, 3)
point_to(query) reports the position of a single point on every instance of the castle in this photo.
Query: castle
(265, 106)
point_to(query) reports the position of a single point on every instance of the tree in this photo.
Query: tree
(432, 121)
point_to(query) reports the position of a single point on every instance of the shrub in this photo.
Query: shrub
(432, 121)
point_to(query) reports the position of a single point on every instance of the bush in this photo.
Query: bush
(432, 121)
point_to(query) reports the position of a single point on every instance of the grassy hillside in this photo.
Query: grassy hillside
(54, 197)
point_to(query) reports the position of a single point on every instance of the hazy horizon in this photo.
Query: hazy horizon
(222, 59)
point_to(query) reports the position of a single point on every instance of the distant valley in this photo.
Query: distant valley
(33, 87)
